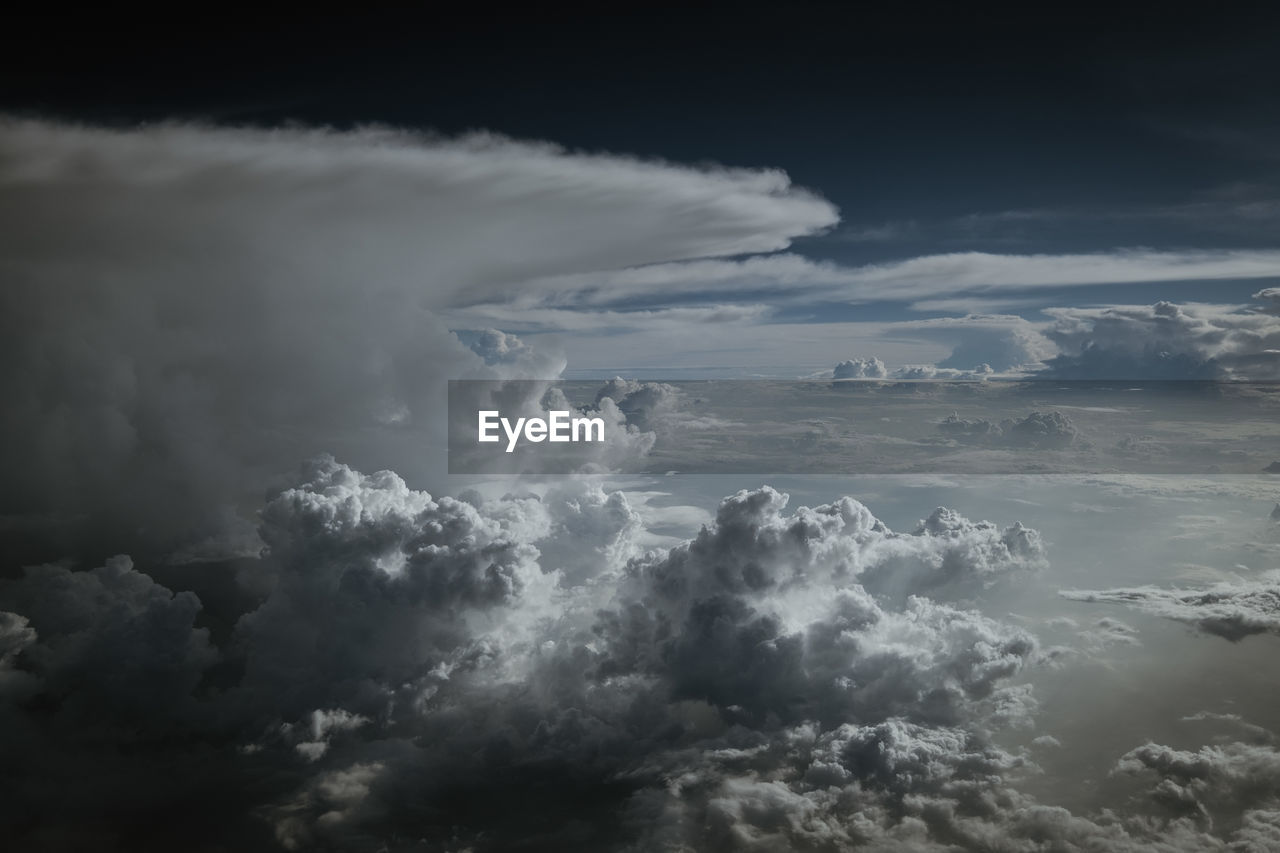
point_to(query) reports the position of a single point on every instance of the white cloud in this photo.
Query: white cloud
(1165, 341)
(784, 678)
(860, 368)
(683, 320)
(943, 276)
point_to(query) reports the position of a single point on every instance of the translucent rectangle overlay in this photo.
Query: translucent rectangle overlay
(864, 427)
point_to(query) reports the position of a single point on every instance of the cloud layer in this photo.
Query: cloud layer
(804, 678)
(1232, 610)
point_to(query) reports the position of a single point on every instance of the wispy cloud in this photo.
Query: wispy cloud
(785, 276)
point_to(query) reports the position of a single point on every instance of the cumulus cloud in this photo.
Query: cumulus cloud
(399, 666)
(592, 532)
(414, 649)
(114, 645)
(930, 372)
(644, 403)
(484, 672)
(983, 343)
(762, 637)
(1164, 341)
(812, 615)
(1232, 610)
(499, 348)
(1235, 776)
(874, 368)
(861, 368)
(366, 556)
(1041, 430)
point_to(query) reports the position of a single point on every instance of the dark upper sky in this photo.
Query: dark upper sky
(911, 120)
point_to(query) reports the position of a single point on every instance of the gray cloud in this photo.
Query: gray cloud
(191, 310)
(645, 404)
(1232, 777)
(114, 644)
(804, 679)
(1042, 430)
(402, 668)
(1232, 610)
(1164, 341)
(738, 617)
(929, 276)
(499, 349)
(415, 649)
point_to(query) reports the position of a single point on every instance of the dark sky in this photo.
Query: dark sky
(921, 114)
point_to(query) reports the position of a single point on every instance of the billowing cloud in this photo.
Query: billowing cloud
(1043, 430)
(860, 368)
(499, 349)
(1164, 341)
(399, 667)
(930, 372)
(643, 403)
(410, 648)
(366, 556)
(193, 310)
(770, 614)
(799, 678)
(115, 647)
(981, 346)
(1232, 777)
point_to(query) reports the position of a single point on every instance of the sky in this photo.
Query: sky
(991, 562)
(1131, 156)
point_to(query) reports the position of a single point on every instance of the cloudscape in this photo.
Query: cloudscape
(719, 429)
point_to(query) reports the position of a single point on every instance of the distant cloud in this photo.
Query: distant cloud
(1232, 610)
(860, 368)
(874, 368)
(912, 280)
(1042, 430)
(1164, 341)
(1203, 782)
(678, 319)
(933, 372)
(509, 353)
(1270, 299)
